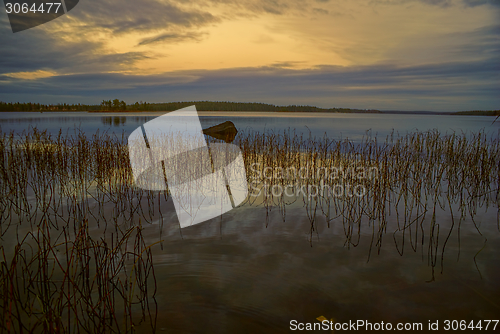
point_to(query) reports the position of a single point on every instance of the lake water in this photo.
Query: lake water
(256, 268)
(335, 126)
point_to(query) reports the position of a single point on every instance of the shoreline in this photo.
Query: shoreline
(388, 112)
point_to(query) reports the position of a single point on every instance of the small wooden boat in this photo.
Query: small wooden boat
(225, 131)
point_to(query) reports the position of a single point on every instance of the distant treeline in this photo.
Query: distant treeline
(237, 106)
(47, 107)
(479, 112)
(117, 105)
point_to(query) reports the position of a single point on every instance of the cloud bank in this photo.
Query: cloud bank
(131, 51)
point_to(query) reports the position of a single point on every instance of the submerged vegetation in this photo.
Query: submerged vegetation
(73, 257)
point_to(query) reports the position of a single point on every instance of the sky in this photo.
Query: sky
(437, 55)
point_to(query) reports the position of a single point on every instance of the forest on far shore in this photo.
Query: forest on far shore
(117, 105)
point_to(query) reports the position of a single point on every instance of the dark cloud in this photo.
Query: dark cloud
(474, 3)
(35, 49)
(276, 7)
(287, 64)
(440, 3)
(416, 87)
(172, 38)
(320, 11)
(73, 58)
(83, 84)
(39, 49)
(482, 43)
(123, 16)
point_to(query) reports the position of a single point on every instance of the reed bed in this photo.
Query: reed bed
(73, 257)
(408, 178)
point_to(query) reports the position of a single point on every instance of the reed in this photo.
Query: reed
(405, 179)
(73, 257)
(77, 261)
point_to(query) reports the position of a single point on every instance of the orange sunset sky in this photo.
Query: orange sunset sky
(438, 55)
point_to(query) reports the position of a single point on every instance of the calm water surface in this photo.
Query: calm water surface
(252, 271)
(335, 126)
